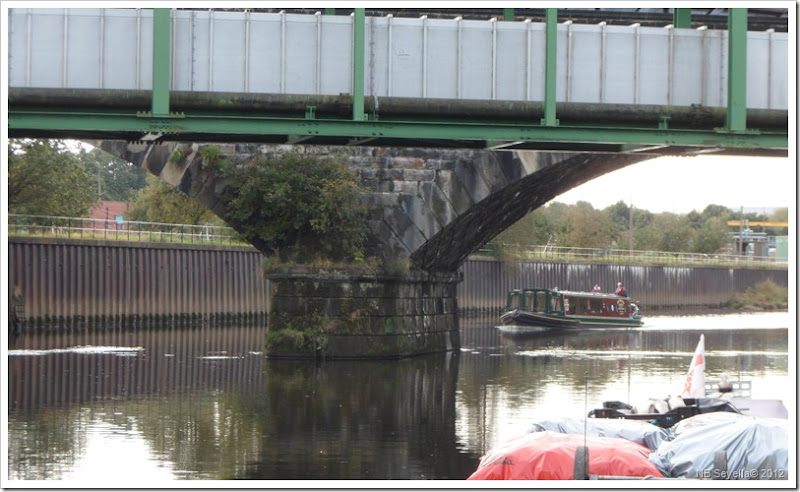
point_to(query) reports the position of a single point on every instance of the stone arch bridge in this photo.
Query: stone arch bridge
(432, 207)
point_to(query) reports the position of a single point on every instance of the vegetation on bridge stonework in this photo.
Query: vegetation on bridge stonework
(307, 208)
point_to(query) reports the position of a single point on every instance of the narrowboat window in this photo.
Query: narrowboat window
(556, 304)
(567, 306)
(541, 307)
(595, 306)
(580, 307)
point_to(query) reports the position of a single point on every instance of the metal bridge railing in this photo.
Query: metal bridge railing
(627, 256)
(88, 228)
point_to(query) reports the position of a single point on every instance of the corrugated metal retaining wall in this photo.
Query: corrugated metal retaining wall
(74, 278)
(79, 278)
(487, 281)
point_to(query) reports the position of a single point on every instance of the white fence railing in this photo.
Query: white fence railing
(88, 228)
(625, 255)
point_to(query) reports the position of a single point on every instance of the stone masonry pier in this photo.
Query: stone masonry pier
(350, 314)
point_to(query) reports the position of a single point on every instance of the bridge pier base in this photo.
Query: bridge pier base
(342, 314)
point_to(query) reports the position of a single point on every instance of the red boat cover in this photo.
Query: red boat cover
(550, 455)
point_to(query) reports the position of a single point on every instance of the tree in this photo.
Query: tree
(161, 202)
(534, 228)
(674, 230)
(114, 179)
(46, 178)
(587, 227)
(619, 213)
(780, 215)
(718, 211)
(712, 237)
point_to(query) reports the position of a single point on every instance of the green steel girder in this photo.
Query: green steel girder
(682, 18)
(159, 124)
(358, 64)
(551, 48)
(244, 129)
(737, 70)
(161, 62)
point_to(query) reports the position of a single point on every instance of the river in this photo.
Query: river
(143, 408)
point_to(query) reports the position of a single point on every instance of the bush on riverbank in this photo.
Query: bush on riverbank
(766, 295)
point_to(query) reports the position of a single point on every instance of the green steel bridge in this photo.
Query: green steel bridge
(525, 80)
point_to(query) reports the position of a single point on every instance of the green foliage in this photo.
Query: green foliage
(179, 154)
(765, 295)
(161, 202)
(113, 178)
(581, 226)
(711, 237)
(46, 178)
(311, 338)
(587, 227)
(542, 226)
(211, 154)
(305, 207)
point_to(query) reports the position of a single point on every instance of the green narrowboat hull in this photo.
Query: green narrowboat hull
(537, 310)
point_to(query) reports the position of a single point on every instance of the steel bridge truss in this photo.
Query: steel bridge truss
(539, 126)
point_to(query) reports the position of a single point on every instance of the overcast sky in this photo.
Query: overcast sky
(683, 184)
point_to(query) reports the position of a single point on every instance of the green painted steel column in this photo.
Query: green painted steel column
(161, 62)
(682, 18)
(736, 119)
(551, 42)
(358, 64)
(508, 15)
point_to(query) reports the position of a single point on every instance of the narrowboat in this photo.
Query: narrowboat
(536, 310)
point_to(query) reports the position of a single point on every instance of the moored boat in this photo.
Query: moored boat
(537, 309)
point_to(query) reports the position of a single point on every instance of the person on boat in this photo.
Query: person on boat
(596, 289)
(621, 290)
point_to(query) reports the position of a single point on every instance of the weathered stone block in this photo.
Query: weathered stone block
(327, 315)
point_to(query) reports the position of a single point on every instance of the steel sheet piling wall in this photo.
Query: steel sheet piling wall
(79, 278)
(75, 278)
(486, 282)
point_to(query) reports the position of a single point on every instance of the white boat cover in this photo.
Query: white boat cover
(637, 431)
(756, 448)
(761, 408)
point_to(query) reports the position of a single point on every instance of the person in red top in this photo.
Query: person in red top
(621, 290)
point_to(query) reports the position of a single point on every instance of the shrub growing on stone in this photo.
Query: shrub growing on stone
(306, 207)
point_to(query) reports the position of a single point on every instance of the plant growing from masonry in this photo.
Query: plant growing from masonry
(305, 207)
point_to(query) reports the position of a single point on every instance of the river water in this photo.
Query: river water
(130, 409)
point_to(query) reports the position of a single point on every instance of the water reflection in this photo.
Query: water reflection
(509, 382)
(205, 403)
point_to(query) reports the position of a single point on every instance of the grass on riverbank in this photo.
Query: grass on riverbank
(765, 296)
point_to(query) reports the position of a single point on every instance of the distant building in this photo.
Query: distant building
(108, 215)
(782, 248)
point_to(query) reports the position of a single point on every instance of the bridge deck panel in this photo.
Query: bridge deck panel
(419, 58)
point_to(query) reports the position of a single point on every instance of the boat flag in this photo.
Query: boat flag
(695, 385)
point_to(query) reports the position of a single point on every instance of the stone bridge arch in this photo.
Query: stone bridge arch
(433, 206)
